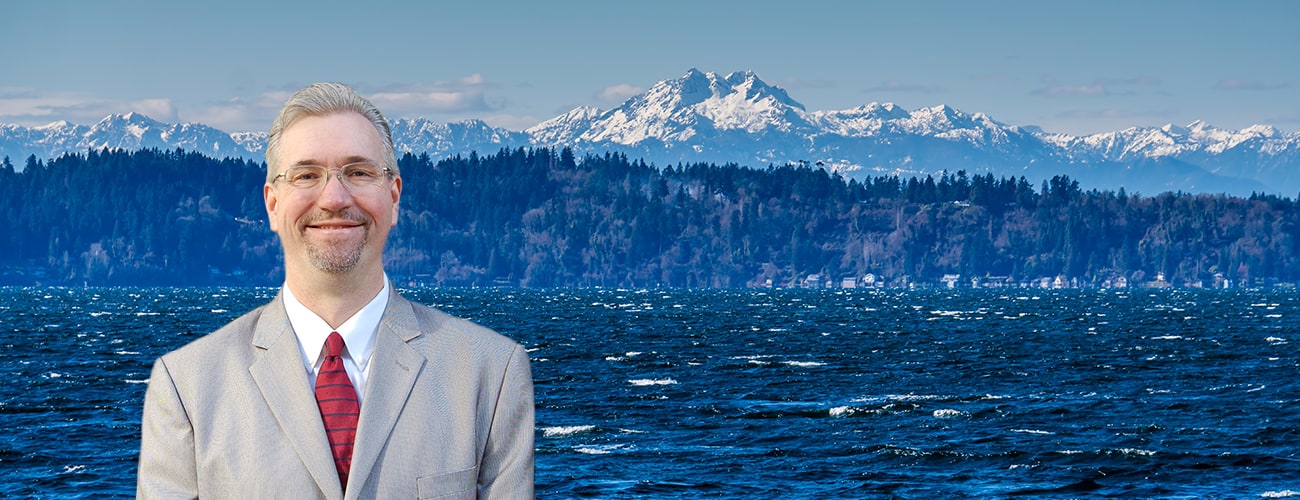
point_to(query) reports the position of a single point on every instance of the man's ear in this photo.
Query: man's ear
(396, 191)
(272, 203)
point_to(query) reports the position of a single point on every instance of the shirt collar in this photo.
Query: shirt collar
(358, 332)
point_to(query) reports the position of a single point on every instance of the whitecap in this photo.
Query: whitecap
(1136, 451)
(100, 313)
(1033, 431)
(652, 381)
(135, 381)
(948, 413)
(805, 364)
(1280, 494)
(601, 449)
(219, 311)
(126, 353)
(566, 430)
(147, 314)
(842, 411)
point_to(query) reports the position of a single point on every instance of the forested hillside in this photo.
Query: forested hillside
(542, 218)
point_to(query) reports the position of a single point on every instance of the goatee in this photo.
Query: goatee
(336, 257)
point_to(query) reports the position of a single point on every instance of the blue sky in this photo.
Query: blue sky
(1072, 67)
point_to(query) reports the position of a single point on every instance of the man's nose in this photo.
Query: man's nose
(335, 192)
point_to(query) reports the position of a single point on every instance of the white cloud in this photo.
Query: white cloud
(616, 94)
(158, 109)
(239, 114)
(431, 100)
(32, 107)
(435, 98)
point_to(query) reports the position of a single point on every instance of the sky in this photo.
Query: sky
(1074, 67)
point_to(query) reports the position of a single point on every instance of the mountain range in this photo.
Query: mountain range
(739, 118)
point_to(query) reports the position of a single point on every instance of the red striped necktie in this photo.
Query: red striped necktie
(339, 409)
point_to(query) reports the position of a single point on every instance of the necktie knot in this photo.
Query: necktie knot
(334, 345)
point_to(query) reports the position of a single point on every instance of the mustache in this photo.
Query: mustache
(349, 214)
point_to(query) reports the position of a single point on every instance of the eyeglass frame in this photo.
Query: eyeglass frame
(330, 172)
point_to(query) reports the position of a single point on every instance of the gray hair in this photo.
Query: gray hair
(319, 99)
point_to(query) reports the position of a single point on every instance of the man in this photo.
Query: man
(339, 387)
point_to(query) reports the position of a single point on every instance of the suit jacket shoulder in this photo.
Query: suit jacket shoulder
(227, 341)
(443, 329)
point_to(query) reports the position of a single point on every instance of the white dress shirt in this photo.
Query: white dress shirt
(358, 334)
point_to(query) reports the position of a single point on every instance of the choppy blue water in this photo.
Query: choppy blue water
(672, 393)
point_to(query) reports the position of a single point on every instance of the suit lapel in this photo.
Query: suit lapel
(280, 376)
(394, 367)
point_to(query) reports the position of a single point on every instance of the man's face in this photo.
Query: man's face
(334, 228)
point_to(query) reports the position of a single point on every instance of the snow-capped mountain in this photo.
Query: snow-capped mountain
(136, 131)
(128, 131)
(440, 140)
(739, 118)
(1259, 153)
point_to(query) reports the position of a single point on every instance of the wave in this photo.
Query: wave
(566, 430)
(652, 381)
(1033, 431)
(602, 449)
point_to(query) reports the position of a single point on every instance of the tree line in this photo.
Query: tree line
(543, 217)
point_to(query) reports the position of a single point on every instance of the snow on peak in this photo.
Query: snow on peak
(697, 103)
(59, 125)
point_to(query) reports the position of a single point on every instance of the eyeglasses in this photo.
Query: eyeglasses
(357, 175)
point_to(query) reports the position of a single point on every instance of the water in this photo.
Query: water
(791, 393)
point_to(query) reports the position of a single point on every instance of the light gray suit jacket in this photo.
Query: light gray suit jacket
(448, 413)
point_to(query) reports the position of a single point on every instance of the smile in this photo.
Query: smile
(335, 226)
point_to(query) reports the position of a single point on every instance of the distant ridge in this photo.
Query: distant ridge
(739, 118)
